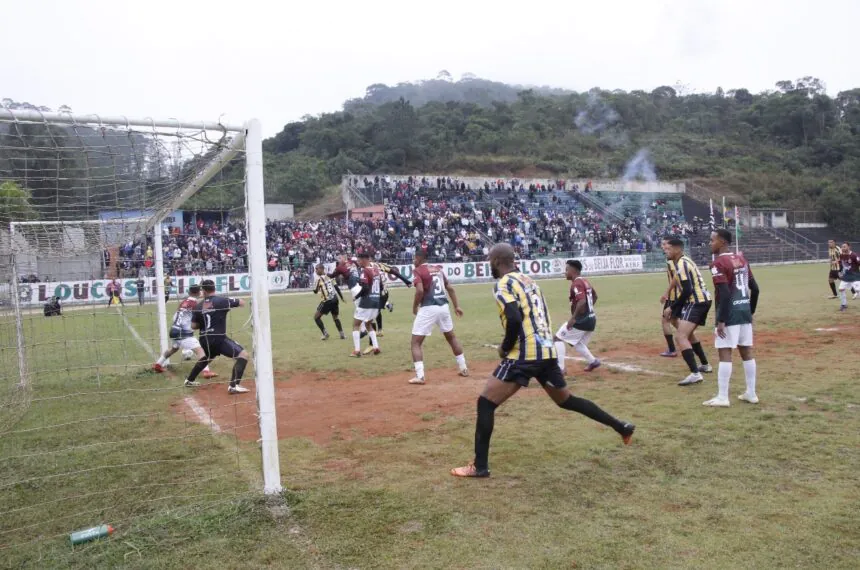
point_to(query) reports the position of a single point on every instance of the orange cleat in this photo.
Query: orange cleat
(627, 432)
(209, 374)
(470, 471)
(157, 368)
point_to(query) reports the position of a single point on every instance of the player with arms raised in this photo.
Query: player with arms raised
(849, 275)
(210, 317)
(384, 271)
(366, 304)
(182, 335)
(430, 308)
(527, 352)
(328, 292)
(737, 297)
(578, 329)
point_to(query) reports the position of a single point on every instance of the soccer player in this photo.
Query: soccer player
(113, 291)
(527, 352)
(168, 283)
(430, 308)
(366, 304)
(328, 292)
(669, 297)
(691, 311)
(210, 317)
(833, 276)
(577, 330)
(849, 277)
(737, 297)
(182, 335)
(383, 298)
(141, 288)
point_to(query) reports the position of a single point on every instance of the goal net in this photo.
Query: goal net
(97, 250)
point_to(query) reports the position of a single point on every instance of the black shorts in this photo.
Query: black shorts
(546, 372)
(695, 313)
(834, 274)
(220, 346)
(331, 306)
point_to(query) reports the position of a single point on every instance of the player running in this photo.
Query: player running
(577, 330)
(210, 317)
(835, 253)
(182, 335)
(849, 276)
(430, 308)
(328, 292)
(669, 297)
(527, 352)
(366, 304)
(691, 311)
(737, 297)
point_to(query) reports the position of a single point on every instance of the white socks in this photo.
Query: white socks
(843, 296)
(724, 374)
(356, 340)
(583, 350)
(419, 369)
(372, 334)
(161, 360)
(560, 350)
(749, 372)
(461, 363)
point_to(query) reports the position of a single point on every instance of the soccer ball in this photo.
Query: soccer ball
(187, 354)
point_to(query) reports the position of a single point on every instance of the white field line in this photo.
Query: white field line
(202, 414)
(193, 404)
(615, 365)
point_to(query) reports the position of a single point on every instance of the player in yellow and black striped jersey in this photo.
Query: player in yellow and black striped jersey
(328, 291)
(666, 300)
(690, 309)
(834, 252)
(527, 352)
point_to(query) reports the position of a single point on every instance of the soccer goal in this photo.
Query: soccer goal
(89, 434)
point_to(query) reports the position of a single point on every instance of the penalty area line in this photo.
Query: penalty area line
(614, 365)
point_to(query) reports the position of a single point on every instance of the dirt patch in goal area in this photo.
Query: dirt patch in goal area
(333, 406)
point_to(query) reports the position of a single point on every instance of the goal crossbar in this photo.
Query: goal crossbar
(30, 116)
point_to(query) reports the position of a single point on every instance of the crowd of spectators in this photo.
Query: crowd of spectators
(444, 216)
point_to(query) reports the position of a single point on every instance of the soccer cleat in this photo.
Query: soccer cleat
(355, 354)
(379, 334)
(693, 378)
(716, 403)
(416, 380)
(237, 389)
(843, 308)
(626, 432)
(470, 471)
(158, 368)
(832, 297)
(854, 296)
(752, 399)
(342, 336)
(324, 336)
(669, 354)
(464, 372)
(592, 365)
(207, 374)
(390, 307)
(191, 383)
(376, 351)
(706, 368)
(367, 350)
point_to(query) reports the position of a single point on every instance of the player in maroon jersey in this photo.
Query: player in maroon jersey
(430, 308)
(366, 304)
(577, 330)
(849, 275)
(737, 297)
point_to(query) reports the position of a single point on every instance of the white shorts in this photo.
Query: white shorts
(365, 315)
(573, 336)
(427, 317)
(187, 343)
(853, 285)
(736, 335)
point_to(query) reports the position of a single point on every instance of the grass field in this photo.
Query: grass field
(767, 486)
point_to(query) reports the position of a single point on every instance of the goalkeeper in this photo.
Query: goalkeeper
(181, 334)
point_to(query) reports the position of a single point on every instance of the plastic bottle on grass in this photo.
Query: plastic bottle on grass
(89, 534)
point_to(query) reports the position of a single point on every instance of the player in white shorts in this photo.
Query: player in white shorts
(737, 297)
(182, 336)
(431, 309)
(367, 293)
(578, 329)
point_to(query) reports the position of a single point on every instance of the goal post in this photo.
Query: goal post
(84, 200)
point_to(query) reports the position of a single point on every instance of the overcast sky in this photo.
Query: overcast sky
(278, 61)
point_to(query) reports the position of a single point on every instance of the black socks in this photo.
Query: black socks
(590, 410)
(238, 371)
(690, 359)
(670, 342)
(483, 432)
(700, 352)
